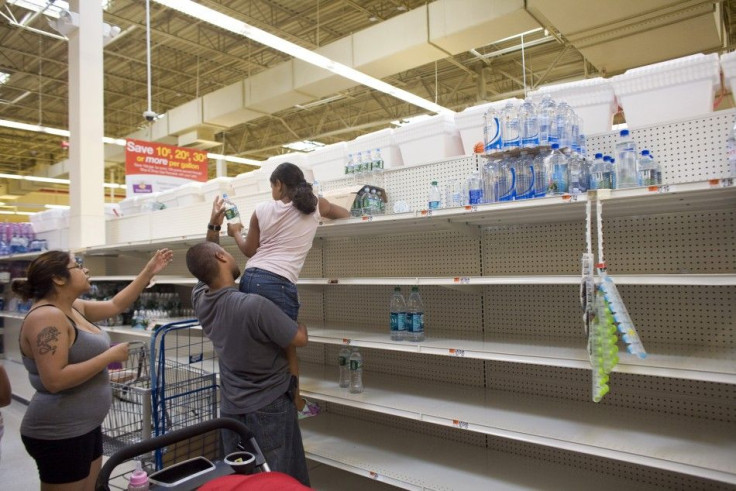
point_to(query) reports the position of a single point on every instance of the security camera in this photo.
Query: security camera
(150, 116)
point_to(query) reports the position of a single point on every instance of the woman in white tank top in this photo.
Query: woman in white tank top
(280, 235)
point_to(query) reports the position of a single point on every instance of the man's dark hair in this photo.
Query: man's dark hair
(201, 261)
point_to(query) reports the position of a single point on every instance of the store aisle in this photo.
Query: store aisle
(16, 466)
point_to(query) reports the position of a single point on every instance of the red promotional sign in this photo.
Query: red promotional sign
(143, 157)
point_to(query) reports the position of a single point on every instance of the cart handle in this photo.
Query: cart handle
(151, 444)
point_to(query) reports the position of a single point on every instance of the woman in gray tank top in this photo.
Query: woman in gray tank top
(66, 356)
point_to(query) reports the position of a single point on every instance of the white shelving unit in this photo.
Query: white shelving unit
(498, 396)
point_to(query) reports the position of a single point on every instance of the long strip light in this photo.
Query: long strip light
(233, 25)
(112, 141)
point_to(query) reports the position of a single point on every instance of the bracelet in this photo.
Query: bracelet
(214, 228)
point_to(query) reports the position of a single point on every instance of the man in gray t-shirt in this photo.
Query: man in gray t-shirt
(250, 335)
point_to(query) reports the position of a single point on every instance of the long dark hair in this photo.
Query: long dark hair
(39, 277)
(298, 189)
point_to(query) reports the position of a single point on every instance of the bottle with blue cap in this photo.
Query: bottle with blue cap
(626, 160)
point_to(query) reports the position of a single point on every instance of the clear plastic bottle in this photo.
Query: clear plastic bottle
(398, 315)
(565, 121)
(317, 188)
(414, 316)
(540, 176)
(231, 210)
(596, 173)
(350, 168)
(524, 169)
(578, 172)
(626, 158)
(528, 125)
(731, 151)
(475, 189)
(356, 372)
(650, 173)
(343, 364)
(556, 168)
(359, 168)
(434, 200)
(510, 126)
(506, 179)
(546, 119)
(490, 180)
(491, 131)
(138, 479)
(378, 166)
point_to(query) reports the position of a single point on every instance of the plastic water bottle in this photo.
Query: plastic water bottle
(596, 172)
(564, 123)
(343, 364)
(138, 479)
(650, 173)
(231, 210)
(524, 168)
(556, 168)
(506, 180)
(475, 189)
(578, 172)
(490, 180)
(356, 372)
(491, 131)
(414, 316)
(377, 167)
(626, 160)
(317, 188)
(435, 197)
(540, 176)
(510, 126)
(731, 151)
(529, 125)
(546, 119)
(350, 168)
(359, 168)
(398, 315)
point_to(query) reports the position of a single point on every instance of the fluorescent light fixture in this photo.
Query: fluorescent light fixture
(260, 36)
(61, 207)
(106, 139)
(3, 212)
(304, 146)
(4, 77)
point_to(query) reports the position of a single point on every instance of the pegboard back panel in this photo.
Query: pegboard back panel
(419, 427)
(553, 248)
(640, 475)
(549, 312)
(703, 316)
(313, 263)
(312, 353)
(669, 396)
(413, 255)
(442, 369)
(688, 150)
(411, 184)
(311, 309)
(680, 243)
(452, 313)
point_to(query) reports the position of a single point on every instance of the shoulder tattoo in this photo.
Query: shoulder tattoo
(47, 340)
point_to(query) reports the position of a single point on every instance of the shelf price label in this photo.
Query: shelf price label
(333, 281)
(462, 280)
(463, 425)
(460, 353)
(347, 341)
(426, 213)
(471, 208)
(367, 218)
(374, 475)
(726, 182)
(569, 198)
(664, 188)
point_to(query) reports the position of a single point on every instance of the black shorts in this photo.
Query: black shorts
(67, 460)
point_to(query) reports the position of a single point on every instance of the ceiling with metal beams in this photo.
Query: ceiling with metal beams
(191, 58)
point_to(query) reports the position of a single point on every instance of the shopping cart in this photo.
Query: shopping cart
(129, 418)
(193, 472)
(183, 388)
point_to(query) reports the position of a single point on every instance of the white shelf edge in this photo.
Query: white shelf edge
(616, 450)
(362, 472)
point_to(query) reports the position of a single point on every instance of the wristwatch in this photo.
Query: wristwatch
(214, 228)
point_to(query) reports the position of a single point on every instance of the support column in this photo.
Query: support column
(86, 125)
(221, 167)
